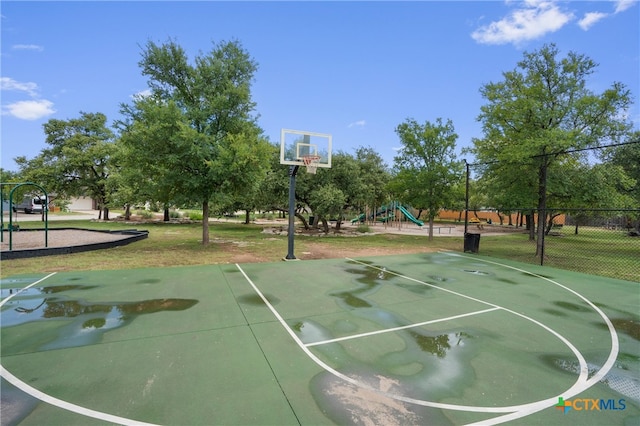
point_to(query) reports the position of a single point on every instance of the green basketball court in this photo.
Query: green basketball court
(441, 338)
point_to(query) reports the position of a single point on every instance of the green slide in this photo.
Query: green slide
(410, 216)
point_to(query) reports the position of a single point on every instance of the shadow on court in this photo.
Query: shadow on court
(440, 338)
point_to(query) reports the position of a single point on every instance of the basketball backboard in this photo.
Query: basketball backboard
(295, 145)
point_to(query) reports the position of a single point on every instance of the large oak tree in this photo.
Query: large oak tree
(213, 92)
(76, 161)
(426, 170)
(541, 112)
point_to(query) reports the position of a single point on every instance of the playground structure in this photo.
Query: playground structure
(393, 211)
(11, 228)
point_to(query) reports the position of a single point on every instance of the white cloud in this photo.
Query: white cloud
(7, 83)
(532, 20)
(359, 123)
(30, 110)
(590, 19)
(622, 5)
(35, 47)
(142, 94)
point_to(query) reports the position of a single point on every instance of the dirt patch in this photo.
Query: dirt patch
(326, 251)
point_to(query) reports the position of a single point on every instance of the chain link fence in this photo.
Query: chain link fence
(598, 241)
(595, 241)
(567, 186)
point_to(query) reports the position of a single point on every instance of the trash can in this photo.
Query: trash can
(471, 242)
(312, 220)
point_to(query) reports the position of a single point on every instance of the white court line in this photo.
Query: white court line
(67, 405)
(615, 345)
(12, 295)
(354, 381)
(516, 411)
(609, 363)
(5, 374)
(386, 271)
(388, 330)
(584, 370)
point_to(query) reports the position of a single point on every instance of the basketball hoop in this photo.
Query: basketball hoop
(311, 163)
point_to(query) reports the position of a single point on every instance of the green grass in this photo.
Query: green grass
(180, 244)
(592, 251)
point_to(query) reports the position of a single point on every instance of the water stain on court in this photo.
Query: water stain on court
(507, 281)
(628, 326)
(555, 312)
(149, 281)
(35, 291)
(255, 300)
(621, 378)
(572, 306)
(89, 321)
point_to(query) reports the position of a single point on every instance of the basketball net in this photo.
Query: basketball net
(311, 163)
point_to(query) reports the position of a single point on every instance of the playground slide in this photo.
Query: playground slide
(385, 209)
(358, 219)
(410, 216)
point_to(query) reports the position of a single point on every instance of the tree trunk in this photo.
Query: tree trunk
(531, 226)
(247, 217)
(106, 213)
(430, 228)
(166, 217)
(205, 222)
(303, 220)
(127, 212)
(325, 225)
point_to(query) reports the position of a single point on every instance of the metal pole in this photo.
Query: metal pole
(11, 219)
(293, 170)
(45, 214)
(543, 213)
(466, 201)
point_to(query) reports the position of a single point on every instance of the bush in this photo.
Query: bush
(267, 216)
(61, 204)
(145, 214)
(363, 228)
(174, 214)
(195, 215)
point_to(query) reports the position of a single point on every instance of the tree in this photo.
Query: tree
(627, 156)
(214, 95)
(541, 111)
(374, 176)
(77, 161)
(244, 159)
(273, 191)
(349, 183)
(155, 142)
(8, 175)
(426, 167)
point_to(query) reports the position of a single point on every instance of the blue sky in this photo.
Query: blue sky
(352, 69)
